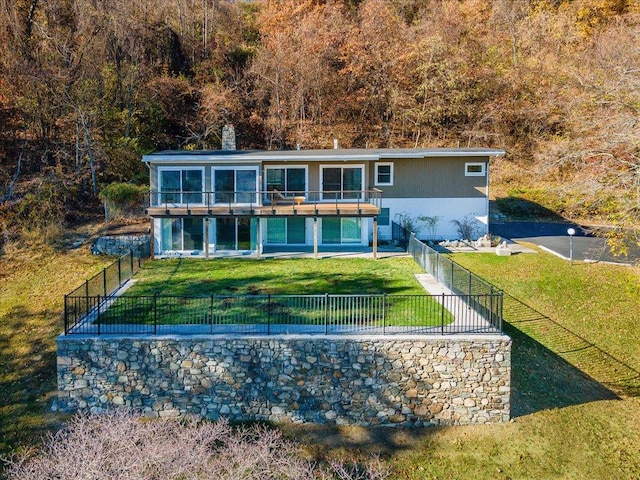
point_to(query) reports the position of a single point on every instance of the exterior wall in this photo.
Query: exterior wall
(447, 209)
(442, 177)
(412, 381)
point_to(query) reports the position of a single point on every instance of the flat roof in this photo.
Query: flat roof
(342, 154)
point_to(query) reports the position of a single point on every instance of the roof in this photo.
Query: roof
(352, 154)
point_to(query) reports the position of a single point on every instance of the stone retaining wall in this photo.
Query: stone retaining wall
(122, 244)
(336, 380)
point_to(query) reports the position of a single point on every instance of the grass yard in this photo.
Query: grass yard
(575, 364)
(32, 285)
(245, 291)
(300, 276)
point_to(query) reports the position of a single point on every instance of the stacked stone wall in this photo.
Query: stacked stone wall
(332, 380)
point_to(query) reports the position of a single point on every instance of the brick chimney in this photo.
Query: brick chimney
(228, 138)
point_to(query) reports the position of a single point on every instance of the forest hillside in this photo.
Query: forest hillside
(87, 87)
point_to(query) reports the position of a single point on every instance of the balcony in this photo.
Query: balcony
(272, 203)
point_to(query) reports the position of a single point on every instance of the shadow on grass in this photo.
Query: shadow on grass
(552, 367)
(27, 378)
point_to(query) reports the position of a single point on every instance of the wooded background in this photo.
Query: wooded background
(88, 86)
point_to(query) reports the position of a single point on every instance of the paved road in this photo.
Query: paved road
(554, 237)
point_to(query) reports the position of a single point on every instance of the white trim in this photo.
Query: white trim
(481, 173)
(375, 178)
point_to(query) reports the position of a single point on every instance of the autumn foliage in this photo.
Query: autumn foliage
(87, 87)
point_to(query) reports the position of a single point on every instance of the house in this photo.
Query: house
(250, 202)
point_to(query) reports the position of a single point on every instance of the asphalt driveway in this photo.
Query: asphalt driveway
(554, 237)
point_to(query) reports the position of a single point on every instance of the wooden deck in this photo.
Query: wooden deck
(330, 209)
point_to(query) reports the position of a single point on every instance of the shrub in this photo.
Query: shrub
(122, 199)
(468, 227)
(122, 445)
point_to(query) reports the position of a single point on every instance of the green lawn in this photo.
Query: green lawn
(244, 291)
(575, 365)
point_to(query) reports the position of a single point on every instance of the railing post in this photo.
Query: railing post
(442, 316)
(384, 313)
(98, 317)
(326, 306)
(491, 306)
(66, 316)
(211, 313)
(268, 314)
(155, 313)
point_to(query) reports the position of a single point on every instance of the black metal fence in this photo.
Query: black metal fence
(84, 299)
(483, 297)
(278, 314)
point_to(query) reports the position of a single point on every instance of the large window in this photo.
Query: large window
(384, 174)
(286, 231)
(182, 234)
(235, 185)
(341, 230)
(342, 182)
(181, 186)
(292, 180)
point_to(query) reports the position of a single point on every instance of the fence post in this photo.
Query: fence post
(442, 316)
(384, 313)
(155, 313)
(131, 261)
(268, 314)
(491, 306)
(86, 290)
(98, 318)
(452, 274)
(119, 272)
(211, 313)
(104, 281)
(66, 316)
(326, 306)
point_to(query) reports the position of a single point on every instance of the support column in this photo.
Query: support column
(375, 238)
(315, 237)
(259, 239)
(206, 238)
(152, 239)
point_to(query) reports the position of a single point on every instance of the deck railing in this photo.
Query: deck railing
(254, 199)
(278, 314)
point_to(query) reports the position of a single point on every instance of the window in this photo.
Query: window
(384, 218)
(182, 234)
(286, 231)
(384, 174)
(292, 180)
(181, 186)
(342, 182)
(341, 230)
(235, 185)
(475, 169)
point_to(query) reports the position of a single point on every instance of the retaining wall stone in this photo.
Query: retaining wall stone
(329, 380)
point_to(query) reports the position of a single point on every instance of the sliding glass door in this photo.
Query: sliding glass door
(236, 234)
(342, 183)
(238, 185)
(182, 234)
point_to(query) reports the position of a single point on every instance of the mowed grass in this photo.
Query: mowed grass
(569, 422)
(299, 276)
(255, 292)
